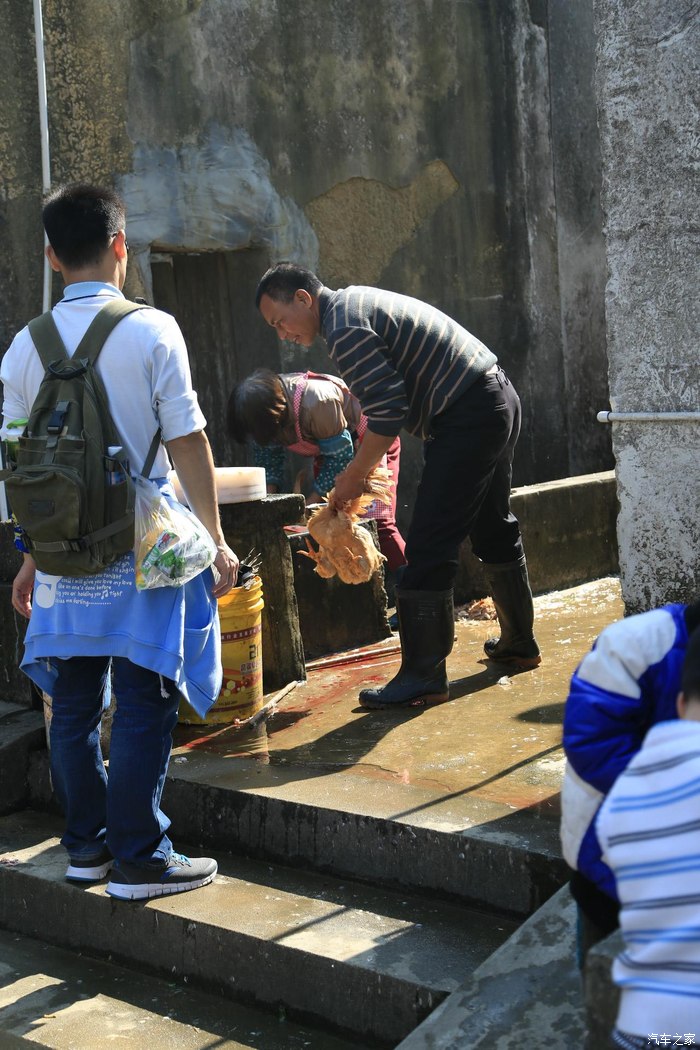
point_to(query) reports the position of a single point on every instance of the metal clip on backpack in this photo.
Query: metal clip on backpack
(70, 489)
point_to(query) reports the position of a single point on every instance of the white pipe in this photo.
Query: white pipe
(648, 417)
(44, 131)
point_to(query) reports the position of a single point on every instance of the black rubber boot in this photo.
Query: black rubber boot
(510, 589)
(427, 632)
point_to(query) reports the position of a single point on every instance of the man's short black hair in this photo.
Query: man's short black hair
(690, 678)
(80, 221)
(281, 281)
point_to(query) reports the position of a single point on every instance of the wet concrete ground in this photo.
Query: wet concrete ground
(494, 750)
(488, 762)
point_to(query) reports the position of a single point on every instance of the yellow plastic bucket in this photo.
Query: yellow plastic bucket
(241, 655)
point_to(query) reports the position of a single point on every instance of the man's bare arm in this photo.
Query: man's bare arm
(351, 482)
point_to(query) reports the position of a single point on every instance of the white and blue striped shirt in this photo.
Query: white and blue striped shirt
(649, 828)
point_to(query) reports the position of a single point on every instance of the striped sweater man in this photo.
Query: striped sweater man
(411, 366)
(404, 360)
(649, 828)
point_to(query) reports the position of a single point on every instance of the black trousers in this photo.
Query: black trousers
(465, 486)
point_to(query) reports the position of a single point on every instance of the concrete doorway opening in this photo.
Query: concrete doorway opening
(212, 295)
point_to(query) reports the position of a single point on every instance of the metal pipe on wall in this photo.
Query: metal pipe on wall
(648, 417)
(44, 131)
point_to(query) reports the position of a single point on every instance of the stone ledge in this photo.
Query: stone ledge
(569, 531)
(22, 732)
(528, 990)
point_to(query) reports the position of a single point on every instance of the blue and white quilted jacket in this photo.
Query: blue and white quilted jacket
(625, 685)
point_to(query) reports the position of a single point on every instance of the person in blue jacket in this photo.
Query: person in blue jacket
(627, 683)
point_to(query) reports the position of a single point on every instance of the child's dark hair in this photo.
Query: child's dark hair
(257, 408)
(80, 221)
(690, 678)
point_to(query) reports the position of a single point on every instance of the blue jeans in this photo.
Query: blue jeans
(121, 810)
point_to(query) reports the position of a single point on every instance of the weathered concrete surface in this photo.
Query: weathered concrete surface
(602, 997)
(21, 733)
(419, 146)
(358, 959)
(568, 532)
(648, 95)
(66, 1001)
(10, 557)
(529, 992)
(259, 526)
(20, 221)
(458, 800)
(178, 197)
(14, 685)
(468, 791)
(352, 254)
(334, 616)
(581, 246)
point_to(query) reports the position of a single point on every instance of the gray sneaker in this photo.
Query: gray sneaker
(92, 869)
(181, 873)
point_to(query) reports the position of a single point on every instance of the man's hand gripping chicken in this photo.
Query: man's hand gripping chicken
(345, 548)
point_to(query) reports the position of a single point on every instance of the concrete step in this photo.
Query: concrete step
(22, 734)
(528, 993)
(53, 998)
(477, 855)
(474, 851)
(361, 960)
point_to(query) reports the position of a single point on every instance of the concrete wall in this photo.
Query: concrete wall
(447, 150)
(648, 94)
(569, 534)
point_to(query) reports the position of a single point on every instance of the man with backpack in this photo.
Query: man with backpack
(84, 610)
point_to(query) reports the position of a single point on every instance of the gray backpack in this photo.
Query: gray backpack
(70, 488)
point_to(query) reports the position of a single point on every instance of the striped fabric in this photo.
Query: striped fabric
(628, 682)
(405, 361)
(629, 1042)
(649, 828)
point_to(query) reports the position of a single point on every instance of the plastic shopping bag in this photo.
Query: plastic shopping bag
(171, 544)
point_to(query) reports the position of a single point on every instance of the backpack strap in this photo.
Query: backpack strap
(85, 541)
(50, 347)
(94, 339)
(152, 452)
(101, 325)
(46, 339)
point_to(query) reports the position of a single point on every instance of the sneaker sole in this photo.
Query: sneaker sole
(95, 874)
(148, 890)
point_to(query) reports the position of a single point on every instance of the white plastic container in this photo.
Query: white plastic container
(233, 484)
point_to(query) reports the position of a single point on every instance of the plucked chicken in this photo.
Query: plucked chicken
(344, 547)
